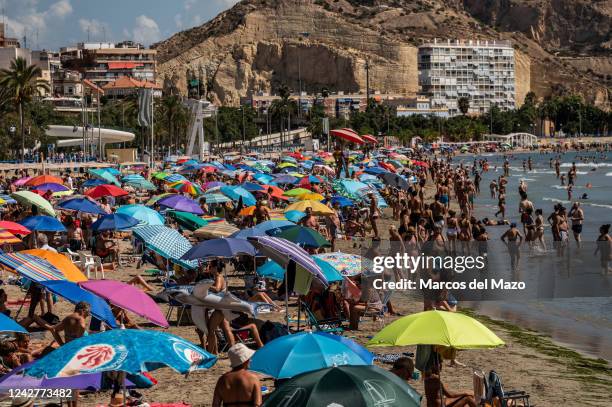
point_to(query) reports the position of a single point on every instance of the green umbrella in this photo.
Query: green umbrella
(28, 198)
(103, 174)
(297, 192)
(303, 236)
(160, 175)
(141, 184)
(188, 220)
(355, 386)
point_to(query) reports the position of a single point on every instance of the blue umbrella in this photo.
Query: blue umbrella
(226, 247)
(93, 182)
(301, 235)
(248, 232)
(285, 179)
(291, 355)
(274, 271)
(263, 178)
(273, 224)
(129, 350)
(73, 293)
(237, 192)
(375, 170)
(251, 187)
(340, 200)
(113, 171)
(294, 215)
(51, 186)
(215, 198)
(175, 178)
(144, 214)
(9, 325)
(82, 205)
(43, 223)
(230, 167)
(105, 175)
(114, 221)
(165, 241)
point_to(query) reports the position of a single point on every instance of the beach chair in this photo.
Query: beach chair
(180, 308)
(489, 392)
(330, 325)
(375, 311)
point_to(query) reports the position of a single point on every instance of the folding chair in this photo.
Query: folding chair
(378, 313)
(330, 325)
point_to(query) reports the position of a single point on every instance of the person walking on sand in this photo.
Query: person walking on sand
(513, 238)
(604, 249)
(238, 387)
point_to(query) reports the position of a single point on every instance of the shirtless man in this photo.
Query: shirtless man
(261, 213)
(309, 220)
(238, 387)
(74, 325)
(526, 208)
(576, 215)
(513, 238)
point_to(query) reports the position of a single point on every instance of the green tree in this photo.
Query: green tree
(463, 104)
(25, 84)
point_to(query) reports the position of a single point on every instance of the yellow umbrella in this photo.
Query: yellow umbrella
(7, 237)
(61, 262)
(317, 207)
(215, 231)
(311, 196)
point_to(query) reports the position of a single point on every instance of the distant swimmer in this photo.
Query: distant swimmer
(584, 196)
(589, 185)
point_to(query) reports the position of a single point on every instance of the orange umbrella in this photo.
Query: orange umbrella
(44, 179)
(276, 192)
(7, 237)
(61, 262)
(248, 211)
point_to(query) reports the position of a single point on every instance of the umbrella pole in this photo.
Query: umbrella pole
(123, 388)
(287, 298)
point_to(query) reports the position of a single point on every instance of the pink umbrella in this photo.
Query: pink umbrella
(127, 297)
(21, 181)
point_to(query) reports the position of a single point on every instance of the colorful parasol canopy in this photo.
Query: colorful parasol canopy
(317, 207)
(369, 138)
(7, 237)
(29, 266)
(347, 135)
(43, 179)
(29, 198)
(105, 190)
(61, 262)
(14, 227)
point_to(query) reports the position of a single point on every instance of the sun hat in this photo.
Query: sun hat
(238, 354)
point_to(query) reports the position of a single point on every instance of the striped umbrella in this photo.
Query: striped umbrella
(165, 241)
(215, 198)
(283, 251)
(215, 230)
(31, 267)
(7, 237)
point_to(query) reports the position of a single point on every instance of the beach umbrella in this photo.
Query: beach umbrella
(8, 324)
(61, 262)
(347, 135)
(160, 175)
(263, 178)
(248, 211)
(93, 182)
(285, 179)
(187, 187)
(29, 198)
(105, 190)
(175, 178)
(114, 221)
(50, 186)
(31, 267)
(6, 199)
(129, 350)
(290, 355)
(139, 183)
(153, 200)
(181, 203)
(297, 192)
(237, 192)
(85, 205)
(215, 230)
(215, 198)
(144, 215)
(252, 187)
(294, 216)
(21, 181)
(42, 223)
(341, 201)
(128, 297)
(274, 271)
(15, 379)
(272, 224)
(289, 159)
(311, 196)
(75, 294)
(317, 207)
(14, 227)
(188, 220)
(451, 329)
(375, 171)
(43, 179)
(347, 264)
(263, 168)
(224, 248)
(213, 184)
(248, 232)
(165, 241)
(303, 236)
(7, 237)
(395, 180)
(104, 175)
(358, 386)
(283, 252)
(368, 138)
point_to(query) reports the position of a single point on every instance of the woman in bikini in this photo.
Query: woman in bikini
(451, 231)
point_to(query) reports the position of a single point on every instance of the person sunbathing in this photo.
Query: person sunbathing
(438, 395)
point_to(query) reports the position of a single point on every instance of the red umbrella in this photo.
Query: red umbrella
(369, 138)
(44, 179)
(351, 130)
(420, 163)
(347, 134)
(387, 166)
(105, 190)
(296, 155)
(14, 228)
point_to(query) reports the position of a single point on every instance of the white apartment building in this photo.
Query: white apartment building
(482, 71)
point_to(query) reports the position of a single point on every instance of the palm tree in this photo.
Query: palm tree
(171, 106)
(24, 83)
(283, 108)
(463, 104)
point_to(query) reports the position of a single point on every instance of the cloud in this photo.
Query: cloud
(60, 9)
(146, 30)
(93, 26)
(178, 21)
(27, 18)
(188, 4)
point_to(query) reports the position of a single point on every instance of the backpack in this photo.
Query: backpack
(495, 388)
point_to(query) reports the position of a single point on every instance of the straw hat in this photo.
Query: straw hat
(238, 354)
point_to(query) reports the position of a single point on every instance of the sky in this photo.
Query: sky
(51, 24)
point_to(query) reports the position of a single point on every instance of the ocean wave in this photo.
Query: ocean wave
(596, 205)
(528, 179)
(609, 174)
(556, 200)
(559, 186)
(587, 164)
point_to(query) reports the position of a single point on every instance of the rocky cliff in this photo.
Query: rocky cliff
(560, 45)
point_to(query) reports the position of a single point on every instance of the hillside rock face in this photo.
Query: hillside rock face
(259, 45)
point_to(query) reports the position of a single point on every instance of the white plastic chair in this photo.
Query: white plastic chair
(87, 263)
(98, 265)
